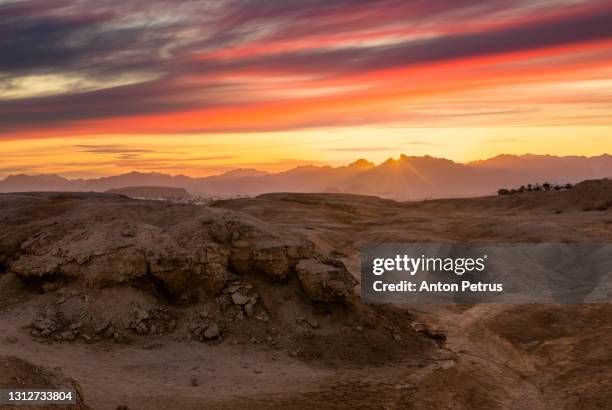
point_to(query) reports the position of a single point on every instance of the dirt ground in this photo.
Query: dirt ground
(306, 354)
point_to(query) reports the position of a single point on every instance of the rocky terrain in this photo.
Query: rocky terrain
(17, 373)
(253, 303)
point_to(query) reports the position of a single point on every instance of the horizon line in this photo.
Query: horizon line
(313, 164)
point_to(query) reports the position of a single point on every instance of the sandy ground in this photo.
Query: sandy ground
(495, 356)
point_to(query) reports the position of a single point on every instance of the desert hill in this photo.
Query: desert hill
(151, 192)
(590, 195)
(262, 293)
(405, 178)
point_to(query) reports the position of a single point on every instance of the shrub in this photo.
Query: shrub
(503, 191)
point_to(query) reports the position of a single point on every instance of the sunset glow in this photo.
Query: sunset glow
(201, 87)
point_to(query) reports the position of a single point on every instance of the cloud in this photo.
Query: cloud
(16, 169)
(522, 37)
(124, 60)
(111, 149)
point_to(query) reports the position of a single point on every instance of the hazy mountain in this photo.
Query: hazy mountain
(241, 173)
(551, 168)
(423, 177)
(236, 182)
(50, 182)
(408, 177)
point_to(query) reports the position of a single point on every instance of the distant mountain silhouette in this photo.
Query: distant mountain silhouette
(409, 177)
(48, 182)
(554, 169)
(422, 177)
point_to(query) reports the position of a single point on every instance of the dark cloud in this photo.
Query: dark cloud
(165, 43)
(575, 29)
(48, 39)
(151, 97)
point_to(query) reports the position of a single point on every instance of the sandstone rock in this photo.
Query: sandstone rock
(263, 316)
(75, 326)
(109, 332)
(94, 252)
(172, 325)
(234, 288)
(44, 324)
(102, 327)
(21, 374)
(239, 299)
(418, 327)
(141, 314)
(249, 309)
(68, 336)
(271, 261)
(325, 282)
(141, 328)
(313, 323)
(212, 332)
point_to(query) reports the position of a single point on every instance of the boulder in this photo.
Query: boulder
(240, 299)
(325, 282)
(271, 261)
(212, 332)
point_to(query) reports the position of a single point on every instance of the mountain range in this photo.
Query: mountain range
(408, 177)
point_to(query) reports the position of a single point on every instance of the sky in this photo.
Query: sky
(101, 87)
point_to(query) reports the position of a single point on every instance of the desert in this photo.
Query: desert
(254, 303)
(193, 195)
